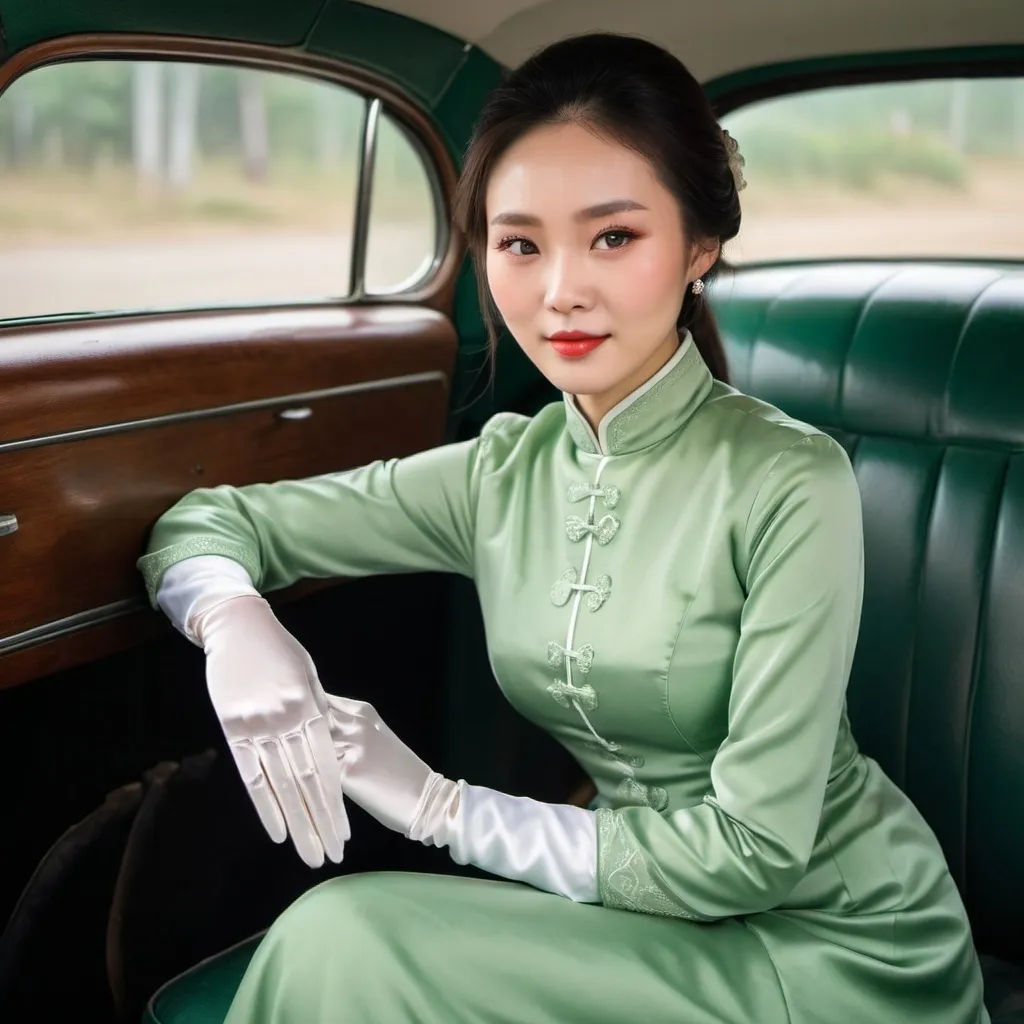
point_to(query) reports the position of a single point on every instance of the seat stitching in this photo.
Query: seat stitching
(979, 635)
(922, 572)
(861, 314)
(767, 310)
(968, 317)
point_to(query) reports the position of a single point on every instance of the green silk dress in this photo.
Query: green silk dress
(675, 598)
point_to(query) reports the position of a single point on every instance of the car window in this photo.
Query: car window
(927, 169)
(136, 185)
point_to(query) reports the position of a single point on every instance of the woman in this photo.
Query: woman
(671, 576)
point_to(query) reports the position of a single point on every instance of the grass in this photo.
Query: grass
(43, 207)
(226, 208)
(863, 161)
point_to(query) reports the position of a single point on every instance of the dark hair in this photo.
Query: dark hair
(632, 91)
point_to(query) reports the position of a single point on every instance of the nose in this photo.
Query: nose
(566, 286)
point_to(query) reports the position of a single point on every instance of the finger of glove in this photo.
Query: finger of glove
(257, 785)
(283, 782)
(325, 757)
(304, 769)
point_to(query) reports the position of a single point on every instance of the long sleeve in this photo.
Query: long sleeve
(748, 844)
(403, 515)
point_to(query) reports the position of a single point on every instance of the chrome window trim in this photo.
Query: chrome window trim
(442, 222)
(69, 624)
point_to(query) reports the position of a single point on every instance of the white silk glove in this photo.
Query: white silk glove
(272, 708)
(549, 846)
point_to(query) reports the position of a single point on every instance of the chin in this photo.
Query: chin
(578, 379)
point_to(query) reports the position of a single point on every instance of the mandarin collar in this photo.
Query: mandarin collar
(657, 409)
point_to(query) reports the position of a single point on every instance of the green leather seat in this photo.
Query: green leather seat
(919, 371)
(203, 994)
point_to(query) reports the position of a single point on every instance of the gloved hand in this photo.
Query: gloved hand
(550, 846)
(272, 708)
(383, 776)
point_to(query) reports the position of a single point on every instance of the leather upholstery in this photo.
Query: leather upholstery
(918, 369)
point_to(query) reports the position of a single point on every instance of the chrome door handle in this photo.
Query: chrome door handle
(301, 413)
(8, 523)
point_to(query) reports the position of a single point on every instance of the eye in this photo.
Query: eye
(615, 238)
(518, 246)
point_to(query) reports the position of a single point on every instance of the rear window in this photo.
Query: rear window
(913, 169)
(142, 185)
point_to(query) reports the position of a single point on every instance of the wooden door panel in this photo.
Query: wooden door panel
(119, 420)
(75, 376)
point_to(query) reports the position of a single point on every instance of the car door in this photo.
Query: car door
(219, 264)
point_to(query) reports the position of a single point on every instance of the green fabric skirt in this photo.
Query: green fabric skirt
(398, 948)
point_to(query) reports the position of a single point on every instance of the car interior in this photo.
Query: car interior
(226, 256)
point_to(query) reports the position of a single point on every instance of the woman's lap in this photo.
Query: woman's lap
(437, 949)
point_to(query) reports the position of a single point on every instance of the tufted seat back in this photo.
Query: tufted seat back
(918, 369)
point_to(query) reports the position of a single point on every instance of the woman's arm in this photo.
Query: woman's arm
(212, 554)
(748, 844)
(404, 515)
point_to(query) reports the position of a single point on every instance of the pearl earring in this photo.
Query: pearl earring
(697, 287)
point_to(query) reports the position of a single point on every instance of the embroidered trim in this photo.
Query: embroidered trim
(579, 429)
(584, 657)
(563, 588)
(567, 695)
(619, 427)
(602, 531)
(599, 593)
(567, 585)
(156, 563)
(613, 430)
(584, 698)
(611, 437)
(632, 792)
(627, 879)
(610, 751)
(609, 495)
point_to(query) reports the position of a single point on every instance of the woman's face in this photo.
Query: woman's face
(587, 262)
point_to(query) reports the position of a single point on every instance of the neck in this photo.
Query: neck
(595, 407)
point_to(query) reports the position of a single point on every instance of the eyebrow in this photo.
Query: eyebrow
(528, 220)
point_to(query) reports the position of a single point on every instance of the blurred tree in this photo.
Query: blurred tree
(23, 119)
(147, 123)
(253, 119)
(959, 102)
(185, 83)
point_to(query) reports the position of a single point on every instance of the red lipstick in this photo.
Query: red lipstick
(575, 344)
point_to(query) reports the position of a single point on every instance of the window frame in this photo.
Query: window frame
(436, 286)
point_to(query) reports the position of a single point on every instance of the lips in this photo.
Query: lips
(575, 344)
(575, 336)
